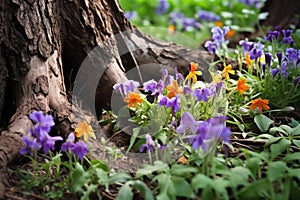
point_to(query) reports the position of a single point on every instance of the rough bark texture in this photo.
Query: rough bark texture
(282, 13)
(43, 44)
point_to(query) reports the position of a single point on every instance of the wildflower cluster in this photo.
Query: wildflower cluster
(40, 134)
(42, 140)
(191, 106)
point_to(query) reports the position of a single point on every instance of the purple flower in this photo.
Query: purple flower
(287, 37)
(49, 142)
(211, 46)
(272, 35)
(189, 23)
(69, 144)
(80, 150)
(150, 86)
(149, 145)
(296, 81)
(284, 70)
(246, 45)
(179, 78)
(225, 134)
(162, 7)
(202, 94)
(43, 122)
(168, 80)
(198, 139)
(174, 104)
(253, 3)
(176, 17)
(268, 57)
(130, 14)
(187, 90)
(30, 146)
(257, 51)
(207, 16)
(218, 34)
(279, 56)
(126, 87)
(187, 121)
(292, 55)
(275, 72)
(162, 100)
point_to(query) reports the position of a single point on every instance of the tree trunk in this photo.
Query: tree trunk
(43, 45)
(282, 13)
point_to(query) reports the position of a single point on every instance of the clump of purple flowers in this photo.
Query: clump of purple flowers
(126, 87)
(219, 41)
(162, 7)
(186, 24)
(76, 148)
(40, 138)
(253, 3)
(204, 132)
(207, 16)
(40, 134)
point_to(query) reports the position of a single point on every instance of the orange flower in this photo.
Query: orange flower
(193, 73)
(219, 23)
(247, 59)
(183, 160)
(174, 89)
(133, 99)
(84, 129)
(172, 29)
(242, 86)
(230, 33)
(227, 70)
(260, 104)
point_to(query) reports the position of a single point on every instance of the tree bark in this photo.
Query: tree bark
(43, 45)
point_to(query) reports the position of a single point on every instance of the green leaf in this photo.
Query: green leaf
(141, 186)
(166, 187)
(201, 181)
(272, 140)
(80, 177)
(276, 170)
(282, 129)
(296, 131)
(136, 132)
(125, 193)
(293, 123)
(253, 164)
(255, 190)
(297, 143)
(207, 193)
(278, 148)
(183, 188)
(119, 178)
(183, 170)
(294, 172)
(292, 157)
(149, 169)
(239, 176)
(220, 186)
(99, 164)
(262, 122)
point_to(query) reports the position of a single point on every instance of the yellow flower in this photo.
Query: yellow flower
(242, 86)
(260, 104)
(227, 70)
(172, 29)
(174, 89)
(133, 99)
(216, 78)
(84, 129)
(193, 72)
(247, 59)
